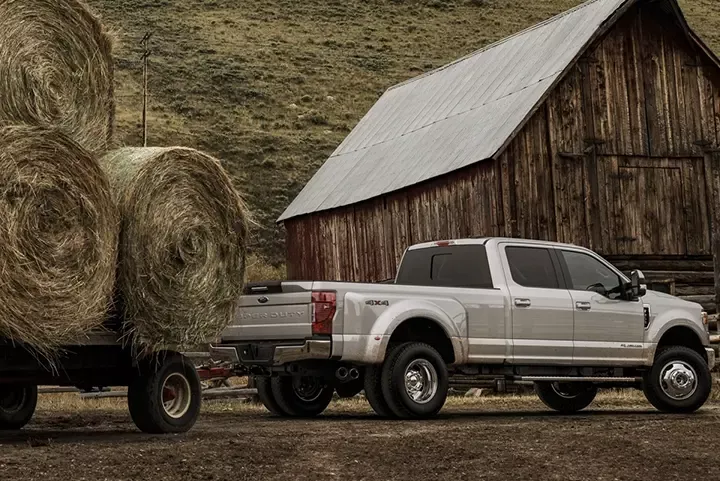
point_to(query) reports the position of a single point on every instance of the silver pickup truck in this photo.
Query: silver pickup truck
(472, 312)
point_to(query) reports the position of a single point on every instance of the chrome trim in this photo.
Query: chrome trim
(313, 349)
(219, 353)
(710, 357)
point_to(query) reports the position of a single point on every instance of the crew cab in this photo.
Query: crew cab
(472, 312)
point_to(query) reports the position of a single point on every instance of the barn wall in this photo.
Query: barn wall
(365, 242)
(622, 146)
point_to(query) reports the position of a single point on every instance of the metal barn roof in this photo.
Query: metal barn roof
(457, 115)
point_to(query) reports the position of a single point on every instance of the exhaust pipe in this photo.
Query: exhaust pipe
(342, 374)
(354, 373)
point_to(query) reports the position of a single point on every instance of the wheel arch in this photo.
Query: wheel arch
(429, 331)
(681, 335)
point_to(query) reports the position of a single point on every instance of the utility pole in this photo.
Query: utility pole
(145, 42)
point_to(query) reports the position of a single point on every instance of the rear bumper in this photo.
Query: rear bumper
(710, 357)
(268, 354)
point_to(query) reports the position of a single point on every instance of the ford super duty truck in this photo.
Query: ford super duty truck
(472, 312)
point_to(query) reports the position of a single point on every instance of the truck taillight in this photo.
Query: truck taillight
(324, 307)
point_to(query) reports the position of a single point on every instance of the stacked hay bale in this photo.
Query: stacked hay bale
(182, 244)
(58, 239)
(56, 70)
(172, 214)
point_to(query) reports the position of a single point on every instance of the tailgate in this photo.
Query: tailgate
(273, 311)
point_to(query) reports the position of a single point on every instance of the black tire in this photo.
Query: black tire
(430, 367)
(264, 388)
(17, 405)
(160, 408)
(350, 389)
(566, 397)
(301, 396)
(373, 391)
(658, 395)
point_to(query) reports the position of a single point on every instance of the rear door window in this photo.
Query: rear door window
(454, 266)
(532, 267)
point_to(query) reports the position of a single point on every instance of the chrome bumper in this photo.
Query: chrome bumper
(710, 357)
(238, 354)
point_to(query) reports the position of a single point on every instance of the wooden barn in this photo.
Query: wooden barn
(598, 127)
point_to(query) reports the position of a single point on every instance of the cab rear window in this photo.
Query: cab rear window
(453, 266)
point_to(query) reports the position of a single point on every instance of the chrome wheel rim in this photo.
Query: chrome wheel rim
(421, 381)
(307, 388)
(678, 380)
(12, 401)
(176, 395)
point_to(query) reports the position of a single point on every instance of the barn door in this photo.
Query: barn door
(660, 206)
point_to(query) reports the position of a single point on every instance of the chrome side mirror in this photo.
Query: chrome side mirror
(637, 283)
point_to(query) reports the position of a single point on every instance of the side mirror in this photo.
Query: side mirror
(637, 283)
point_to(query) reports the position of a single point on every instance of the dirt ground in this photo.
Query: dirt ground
(618, 438)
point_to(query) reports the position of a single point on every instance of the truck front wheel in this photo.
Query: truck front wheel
(679, 381)
(566, 397)
(301, 396)
(17, 405)
(414, 381)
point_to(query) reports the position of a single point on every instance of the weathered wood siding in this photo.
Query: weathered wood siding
(615, 160)
(365, 242)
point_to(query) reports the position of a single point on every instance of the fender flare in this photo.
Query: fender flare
(388, 322)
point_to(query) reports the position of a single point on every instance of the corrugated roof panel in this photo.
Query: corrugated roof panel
(455, 116)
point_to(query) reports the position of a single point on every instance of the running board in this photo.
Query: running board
(578, 379)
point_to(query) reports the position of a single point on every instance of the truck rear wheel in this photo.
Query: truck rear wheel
(265, 393)
(17, 405)
(414, 381)
(373, 391)
(301, 396)
(165, 397)
(566, 397)
(678, 382)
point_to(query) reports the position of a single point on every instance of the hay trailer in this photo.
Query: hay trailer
(164, 392)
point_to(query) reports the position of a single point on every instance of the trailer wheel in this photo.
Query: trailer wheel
(165, 397)
(301, 396)
(17, 405)
(414, 381)
(264, 388)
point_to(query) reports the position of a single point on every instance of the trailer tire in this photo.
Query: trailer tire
(579, 396)
(17, 405)
(166, 395)
(415, 381)
(675, 362)
(301, 396)
(265, 393)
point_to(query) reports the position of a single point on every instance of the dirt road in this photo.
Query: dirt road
(490, 440)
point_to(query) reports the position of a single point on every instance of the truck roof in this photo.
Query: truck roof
(485, 240)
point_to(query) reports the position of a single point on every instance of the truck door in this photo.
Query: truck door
(608, 328)
(542, 312)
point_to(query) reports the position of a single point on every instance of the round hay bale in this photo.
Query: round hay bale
(56, 69)
(58, 239)
(182, 245)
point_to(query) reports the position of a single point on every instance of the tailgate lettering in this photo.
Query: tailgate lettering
(270, 315)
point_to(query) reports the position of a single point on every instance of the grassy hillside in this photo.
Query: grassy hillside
(273, 86)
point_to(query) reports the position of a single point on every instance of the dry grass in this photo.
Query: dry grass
(58, 239)
(56, 69)
(182, 252)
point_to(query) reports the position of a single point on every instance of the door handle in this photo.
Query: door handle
(583, 306)
(522, 302)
